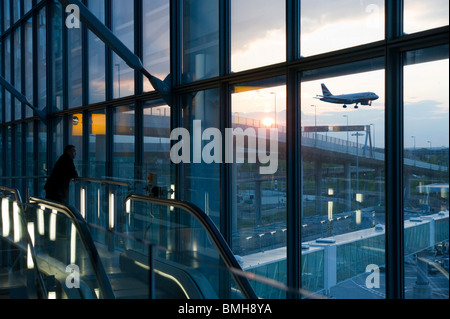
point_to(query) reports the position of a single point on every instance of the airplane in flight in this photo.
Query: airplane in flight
(364, 98)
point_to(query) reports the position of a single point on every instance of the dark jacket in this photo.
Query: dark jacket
(57, 186)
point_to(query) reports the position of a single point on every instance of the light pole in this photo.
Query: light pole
(315, 121)
(357, 134)
(429, 142)
(275, 93)
(374, 145)
(118, 75)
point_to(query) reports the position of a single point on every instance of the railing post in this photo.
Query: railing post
(151, 274)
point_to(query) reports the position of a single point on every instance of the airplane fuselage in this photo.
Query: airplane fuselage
(360, 98)
(364, 98)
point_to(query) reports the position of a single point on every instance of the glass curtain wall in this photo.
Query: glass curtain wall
(245, 82)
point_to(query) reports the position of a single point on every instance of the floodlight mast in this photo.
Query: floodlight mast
(111, 40)
(41, 114)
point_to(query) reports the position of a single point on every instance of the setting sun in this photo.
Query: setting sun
(268, 121)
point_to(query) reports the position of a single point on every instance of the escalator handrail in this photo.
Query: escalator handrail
(215, 235)
(15, 191)
(85, 236)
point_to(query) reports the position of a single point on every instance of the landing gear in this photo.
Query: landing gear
(356, 106)
(345, 106)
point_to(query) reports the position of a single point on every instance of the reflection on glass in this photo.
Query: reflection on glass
(332, 25)
(156, 37)
(200, 25)
(423, 15)
(123, 142)
(259, 199)
(123, 28)
(258, 33)
(343, 212)
(426, 177)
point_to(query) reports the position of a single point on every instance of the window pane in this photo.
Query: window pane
(97, 142)
(29, 65)
(124, 141)
(332, 25)
(423, 15)
(18, 151)
(156, 33)
(157, 143)
(201, 180)
(2, 143)
(17, 72)
(343, 180)
(426, 177)
(123, 28)
(8, 96)
(16, 10)
(258, 33)
(259, 196)
(29, 156)
(42, 156)
(76, 138)
(41, 60)
(6, 15)
(75, 88)
(97, 87)
(200, 28)
(57, 55)
(27, 5)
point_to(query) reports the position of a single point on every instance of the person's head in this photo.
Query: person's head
(71, 151)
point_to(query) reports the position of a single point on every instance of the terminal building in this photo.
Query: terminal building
(276, 149)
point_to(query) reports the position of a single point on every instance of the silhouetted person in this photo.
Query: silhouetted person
(57, 186)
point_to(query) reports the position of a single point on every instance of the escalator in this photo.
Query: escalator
(157, 248)
(20, 277)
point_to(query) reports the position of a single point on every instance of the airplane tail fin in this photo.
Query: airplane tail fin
(325, 91)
